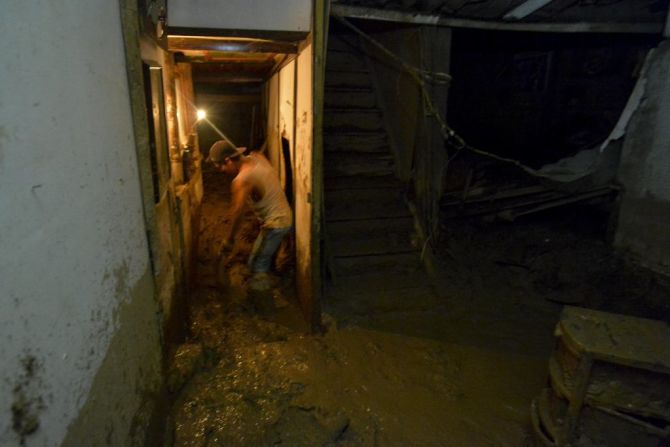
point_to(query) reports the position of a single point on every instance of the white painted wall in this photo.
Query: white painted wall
(267, 15)
(643, 227)
(72, 239)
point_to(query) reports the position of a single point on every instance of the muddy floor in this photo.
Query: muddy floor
(452, 363)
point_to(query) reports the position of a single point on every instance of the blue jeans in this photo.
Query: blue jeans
(265, 248)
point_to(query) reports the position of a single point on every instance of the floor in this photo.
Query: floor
(452, 359)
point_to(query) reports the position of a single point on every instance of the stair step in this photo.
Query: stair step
(360, 182)
(358, 163)
(334, 70)
(390, 264)
(357, 229)
(358, 204)
(351, 110)
(357, 142)
(345, 79)
(344, 89)
(349, 99)
(345, 61)
(378, 194)
(359, 211)
(381, 242)
(344, 120)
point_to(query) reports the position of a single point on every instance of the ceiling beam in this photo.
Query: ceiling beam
(231, 78)
(525, 9)
(230, 45)
(359, 12)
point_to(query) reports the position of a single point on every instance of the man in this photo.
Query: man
(256, 184)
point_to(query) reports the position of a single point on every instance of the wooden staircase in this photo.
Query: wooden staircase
(369, 228)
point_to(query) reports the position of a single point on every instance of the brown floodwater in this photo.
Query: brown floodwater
(452, 360)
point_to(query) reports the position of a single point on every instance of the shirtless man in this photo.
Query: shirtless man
(256, 184)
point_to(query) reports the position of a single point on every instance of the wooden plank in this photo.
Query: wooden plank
(361, 182)
(436, 20)
(525, 9)
(320, 16)
(227, 45)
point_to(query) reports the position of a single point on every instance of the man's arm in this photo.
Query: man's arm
(240, 191)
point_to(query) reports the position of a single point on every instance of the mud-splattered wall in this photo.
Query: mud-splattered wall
(280, 105)
(644, 216)
(78, 333)
(304, 205)
(290, 113)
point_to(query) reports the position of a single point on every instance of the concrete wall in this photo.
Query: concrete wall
(271, 15)
(643, 228)
(79, 340)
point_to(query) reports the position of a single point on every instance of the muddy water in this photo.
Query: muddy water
(262, 383)
(458, 370)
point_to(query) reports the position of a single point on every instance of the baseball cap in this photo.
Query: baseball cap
(221, 150)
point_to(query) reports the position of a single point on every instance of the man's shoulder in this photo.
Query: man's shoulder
(245, 176)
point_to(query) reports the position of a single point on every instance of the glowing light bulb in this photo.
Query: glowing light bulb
(201, 114)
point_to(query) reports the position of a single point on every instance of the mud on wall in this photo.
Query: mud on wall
(289, 102)
(304, 205)
(280, 104)
(74, 261)
(644, 217)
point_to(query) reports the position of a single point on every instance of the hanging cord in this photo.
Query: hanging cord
(417, 73)
(420, 77)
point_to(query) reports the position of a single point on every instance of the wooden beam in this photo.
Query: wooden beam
(525, 9)
(279, 36)
(230, 45)
(228, 78)
(358, 12)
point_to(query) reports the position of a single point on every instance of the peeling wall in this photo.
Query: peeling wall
(644, 215)
(78, 334)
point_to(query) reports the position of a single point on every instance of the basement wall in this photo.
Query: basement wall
(644, 216)
(79, 338)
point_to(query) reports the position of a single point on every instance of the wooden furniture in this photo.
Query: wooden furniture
(609, 383)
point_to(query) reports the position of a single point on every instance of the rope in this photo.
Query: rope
(419, 77)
